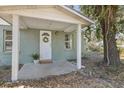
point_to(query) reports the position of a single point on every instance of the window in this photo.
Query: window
(7, 40)
(68, 41)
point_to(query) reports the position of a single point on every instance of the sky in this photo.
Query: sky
(77, 7)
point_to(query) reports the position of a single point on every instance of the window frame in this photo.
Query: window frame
(4, 41)
(69, 41)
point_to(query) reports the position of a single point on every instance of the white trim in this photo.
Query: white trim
(45, 55)
(4, 41)
(74, 12)
(15, 47)
(25, 14)
(16, 11)
(4, 22)
(70, 41)
(79, 46)
(70, 28)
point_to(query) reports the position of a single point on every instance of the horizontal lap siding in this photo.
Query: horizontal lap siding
(58, 51)
(5, 58)
(29, 43)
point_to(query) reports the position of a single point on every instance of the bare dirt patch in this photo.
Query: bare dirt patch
(94, 75)
(5, 72)
(74, 80)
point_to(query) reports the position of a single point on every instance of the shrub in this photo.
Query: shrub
(2, 82)
(35, 56)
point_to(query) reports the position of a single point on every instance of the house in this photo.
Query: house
(53, 31)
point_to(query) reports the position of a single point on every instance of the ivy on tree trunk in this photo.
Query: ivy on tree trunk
(106, 16)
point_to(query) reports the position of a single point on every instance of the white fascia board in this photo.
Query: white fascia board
(3, 22)
(74, 12)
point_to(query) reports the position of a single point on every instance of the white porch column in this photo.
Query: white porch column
(15, 47)
(79, 46)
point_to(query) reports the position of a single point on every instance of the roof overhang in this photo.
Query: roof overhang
(24, 12)
(81, 16)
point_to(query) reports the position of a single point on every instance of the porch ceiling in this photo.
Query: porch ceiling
(38, 23)
(35, 23)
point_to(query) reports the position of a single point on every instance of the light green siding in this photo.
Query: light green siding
(29, 43)
(5, 58)
(58, 50)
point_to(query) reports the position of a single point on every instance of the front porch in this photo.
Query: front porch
(37, 71)
(31, 71)
(46, 18)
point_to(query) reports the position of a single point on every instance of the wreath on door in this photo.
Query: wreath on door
(45, 39)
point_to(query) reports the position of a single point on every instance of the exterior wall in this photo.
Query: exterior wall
(5, 58)
(29, 43)
(58, 50)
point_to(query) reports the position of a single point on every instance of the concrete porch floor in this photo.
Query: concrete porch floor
(37, 71)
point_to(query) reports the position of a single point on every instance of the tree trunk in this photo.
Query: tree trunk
(104, 40)
(111, 54)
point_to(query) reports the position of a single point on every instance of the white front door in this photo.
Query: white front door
(45, 45)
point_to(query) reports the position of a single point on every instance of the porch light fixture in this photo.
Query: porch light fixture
(56, 32)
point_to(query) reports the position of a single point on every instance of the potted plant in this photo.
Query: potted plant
(35, 57)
